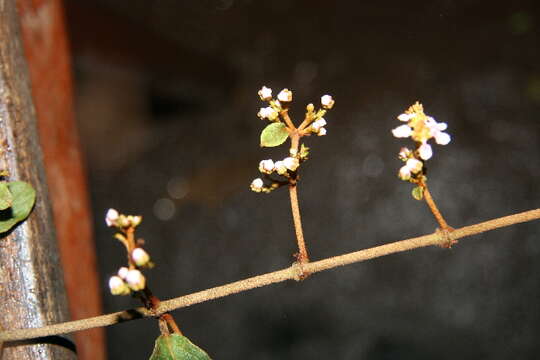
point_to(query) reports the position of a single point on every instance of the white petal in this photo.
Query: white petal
(425, 151)
(442, 138)
(402, 131)
(404, 117)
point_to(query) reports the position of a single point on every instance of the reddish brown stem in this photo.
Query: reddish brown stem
(152, 302)
(434, 209)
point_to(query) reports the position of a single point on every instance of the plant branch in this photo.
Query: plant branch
(292, 272)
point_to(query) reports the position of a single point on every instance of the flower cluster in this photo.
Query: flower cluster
(129, 278)
(277, 113)
(421, 128)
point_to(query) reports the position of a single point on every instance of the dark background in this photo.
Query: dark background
(167, 102)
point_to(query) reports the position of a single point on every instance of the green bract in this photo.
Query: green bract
(175, 346)
(23, 197)
(274, 134)
(418, 193)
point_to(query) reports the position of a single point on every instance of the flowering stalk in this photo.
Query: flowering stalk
(275, 134)
(130, 280)
(421, 128)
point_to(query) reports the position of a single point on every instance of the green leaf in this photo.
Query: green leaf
(274, 134)
(177, 347)
(5, 196)
(418, 193)
(24, 197)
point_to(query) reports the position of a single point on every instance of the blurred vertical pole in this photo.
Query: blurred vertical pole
(32, 290)
(46, 49)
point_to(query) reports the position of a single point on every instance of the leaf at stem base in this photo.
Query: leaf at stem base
(177, 347)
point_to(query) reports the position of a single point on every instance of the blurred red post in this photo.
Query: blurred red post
(46, 49)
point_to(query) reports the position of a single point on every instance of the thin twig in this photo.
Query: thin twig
(434, 209)
(267, 279)
(297, 219)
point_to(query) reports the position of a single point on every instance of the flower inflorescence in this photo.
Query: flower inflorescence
(277, 113)
(128, 279)
(421, 128)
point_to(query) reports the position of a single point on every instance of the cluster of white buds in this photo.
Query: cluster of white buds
(126, 281)
(281, 166)
(113, 218)
(421, 128)
(318, 127)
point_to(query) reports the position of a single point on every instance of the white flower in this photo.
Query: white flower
(318, 124)
(268, 113)
(135, 280)
(436, 130)
(327, 102)
(425, 151)
(285, 96)
(122, 272)
(111, 217)
(265, 93)
(257, 185)
(118, 286)
(321, 132)
(291, 163)
(402, 131)
(280, 167)
(404, 173)
(140, 257)
(405, 117)
(442, 138)
(266, 166)
(414, 165)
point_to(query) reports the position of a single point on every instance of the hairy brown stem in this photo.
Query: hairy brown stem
(434, 209)
(297, 219)
(267, 279)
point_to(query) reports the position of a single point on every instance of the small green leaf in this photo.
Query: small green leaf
(24, 197)
(5, 196)
(274, 134)
(177, 347)
(418, 193)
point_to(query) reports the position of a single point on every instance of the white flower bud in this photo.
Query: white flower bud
(321, 132)
(265, 93)
(135, 220)
(266, 166)
(118, 286)
(327, 102)
(442, 138)
(268, 113)
(140, 257)
(318, 124)
(280, 167)
(414, 165)
(135, 280)
(402, 131)
(291, 163)
(111, 217)
(404, 173)
(285, 96)
(122, 272)
(257, 185)
(425, 151)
